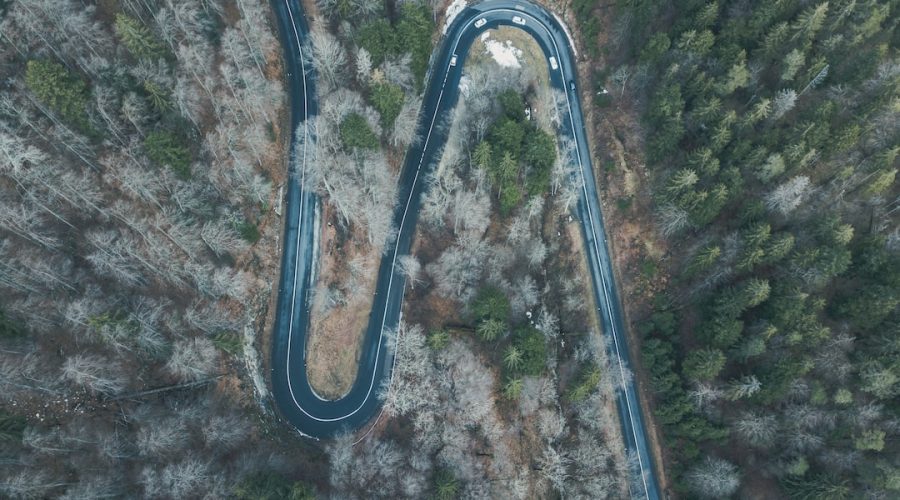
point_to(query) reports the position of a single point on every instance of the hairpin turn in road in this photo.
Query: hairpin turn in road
(293, 394)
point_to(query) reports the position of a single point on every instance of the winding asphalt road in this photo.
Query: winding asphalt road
(319, 418)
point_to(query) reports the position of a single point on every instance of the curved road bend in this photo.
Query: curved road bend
(294, 397)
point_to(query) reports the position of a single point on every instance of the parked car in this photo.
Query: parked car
(518, 20)
(481, 22)
(553, 64)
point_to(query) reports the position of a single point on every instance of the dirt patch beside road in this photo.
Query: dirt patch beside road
(341, 305)
(636, 246)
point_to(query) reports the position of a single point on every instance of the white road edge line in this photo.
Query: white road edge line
(403, 219)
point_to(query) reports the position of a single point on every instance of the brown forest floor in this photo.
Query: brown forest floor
(616, 140)
(335, 337)
(423, 306)
(637, 249)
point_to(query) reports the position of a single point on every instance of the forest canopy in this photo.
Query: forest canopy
(771, 140)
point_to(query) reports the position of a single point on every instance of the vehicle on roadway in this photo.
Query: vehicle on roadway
(317, 418)
(481, 22)
(553, 64)
(453, 60)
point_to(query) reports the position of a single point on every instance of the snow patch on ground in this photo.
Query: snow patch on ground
(455, 8)
(504, 53)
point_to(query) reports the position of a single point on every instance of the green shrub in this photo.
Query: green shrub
(229, 342)
(512, 105)
(649, 268)
(8, 327)
(356, 133)
(798, 466)
(870, 440)
(379, 39)
(387, 99)
(271, 486)
(11, 427)
(113, 319)
(512, 389)
(446, 486)
(512, 358)
(530, 342)
(411, 33)
(438, 339)
(540, 154)
(510, 199)
(249, 231)
(490, 303)
(414, 31)
(703, 364)
(843, 397)
(491, 329)
(584, 384)
(655, 47)
(167, 150)
(60, 91)
(138, 38)
(159, 96)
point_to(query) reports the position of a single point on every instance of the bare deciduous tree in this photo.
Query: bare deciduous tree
(404, 132)
(789, 195)
(328, 56)
(163, 437)
(784, 101)
(554, 467)
(457, 270)
(95, 373)
(397, 71)
(713, 478)
(471, 210)
(221, 239)
(30, 483)
(411, 269)
(190, 477)
(412, 386)
(90, 488)
(224, 433)
(672, 219)
(757, 430)
(193, 359)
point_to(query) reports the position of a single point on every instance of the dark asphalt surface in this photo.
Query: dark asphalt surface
(294, 397)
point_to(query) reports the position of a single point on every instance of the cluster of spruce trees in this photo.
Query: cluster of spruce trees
(772, 141)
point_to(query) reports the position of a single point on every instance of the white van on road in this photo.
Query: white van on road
(553, 64)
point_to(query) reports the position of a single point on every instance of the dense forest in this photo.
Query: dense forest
(371, 66)
(524, 406)
(497, 387)
(771, 137)
(141, 152)
(137, 140)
